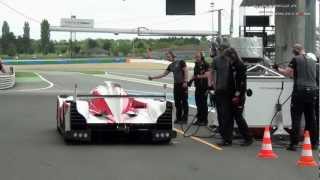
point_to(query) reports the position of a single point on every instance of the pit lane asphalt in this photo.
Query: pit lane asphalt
(32, 149)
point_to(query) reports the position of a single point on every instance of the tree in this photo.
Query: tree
(45, 37)
(124, 47)
(26, 38)
(107, 45)
(20, 45)
(92, 43)
(12, 48)
(8, 40)
(5, 37)
(5, 28)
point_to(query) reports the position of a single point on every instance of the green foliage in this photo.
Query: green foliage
(5, 41)
(107, 44)
(45, 37)
(5, 29)
(23, 45)
(26, 42)
(91, 43)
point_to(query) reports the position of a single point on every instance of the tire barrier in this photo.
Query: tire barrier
(8, 80)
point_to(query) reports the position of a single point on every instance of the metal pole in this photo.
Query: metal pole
(212, 21)
(219, 22)
(133, 51)
(310, 25)
(70, 44)
(319, 14)
(231, 18)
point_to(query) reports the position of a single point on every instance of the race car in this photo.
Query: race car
(109, 109)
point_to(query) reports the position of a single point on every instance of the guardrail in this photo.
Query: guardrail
(8, 80)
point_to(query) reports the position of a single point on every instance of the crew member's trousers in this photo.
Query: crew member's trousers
(303, 102)
(201, 97)
(241, 122)
(181, 102)
(225, 118)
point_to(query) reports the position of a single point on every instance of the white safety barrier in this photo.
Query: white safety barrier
(8, 80)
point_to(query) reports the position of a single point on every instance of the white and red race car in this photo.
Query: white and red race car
(109, 110)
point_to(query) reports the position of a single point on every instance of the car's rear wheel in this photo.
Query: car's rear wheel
(58, 117)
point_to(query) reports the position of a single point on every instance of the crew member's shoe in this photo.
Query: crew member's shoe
(184, 122)
(247, 142)
(292, 147)
(195, 123)
(200, 123)
(225, 143)
(315, 147)
(177, 121)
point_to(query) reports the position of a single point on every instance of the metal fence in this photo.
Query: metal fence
(8, 80)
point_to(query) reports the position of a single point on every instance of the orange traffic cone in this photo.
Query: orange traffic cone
(266, 150)
(306, 159)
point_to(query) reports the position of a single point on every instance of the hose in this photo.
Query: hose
(194, 117)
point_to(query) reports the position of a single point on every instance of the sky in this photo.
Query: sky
(114, 14)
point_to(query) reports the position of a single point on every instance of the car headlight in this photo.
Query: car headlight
(162, 135)
(167, 134)
(157, 135)
(85, 135)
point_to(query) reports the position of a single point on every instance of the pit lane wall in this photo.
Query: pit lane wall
(8, 80)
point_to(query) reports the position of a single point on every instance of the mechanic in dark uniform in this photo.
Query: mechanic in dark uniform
(2, 69)
(180, 89)
(221, 79)
(201, 87)
(239, 70)
(316, 110)
(303, 71)
(317, 97)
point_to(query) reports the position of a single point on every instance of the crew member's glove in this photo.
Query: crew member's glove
(212, 98)
(275, 66)
(185, 85)
(210, 90)
(150, 78)
(236, 101)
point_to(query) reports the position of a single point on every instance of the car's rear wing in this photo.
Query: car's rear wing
(120, 96)
(89, 96)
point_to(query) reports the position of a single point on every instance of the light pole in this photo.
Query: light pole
(212, 23)
(139, 34)
(319, 14)
(133, 51)
(231, 18)
(73, 17)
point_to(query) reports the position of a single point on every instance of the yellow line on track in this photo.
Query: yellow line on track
(200, 140)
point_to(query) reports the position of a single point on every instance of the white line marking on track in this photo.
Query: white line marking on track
(216, 147)
(142, 81)
(137, 75)
(39, 89)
